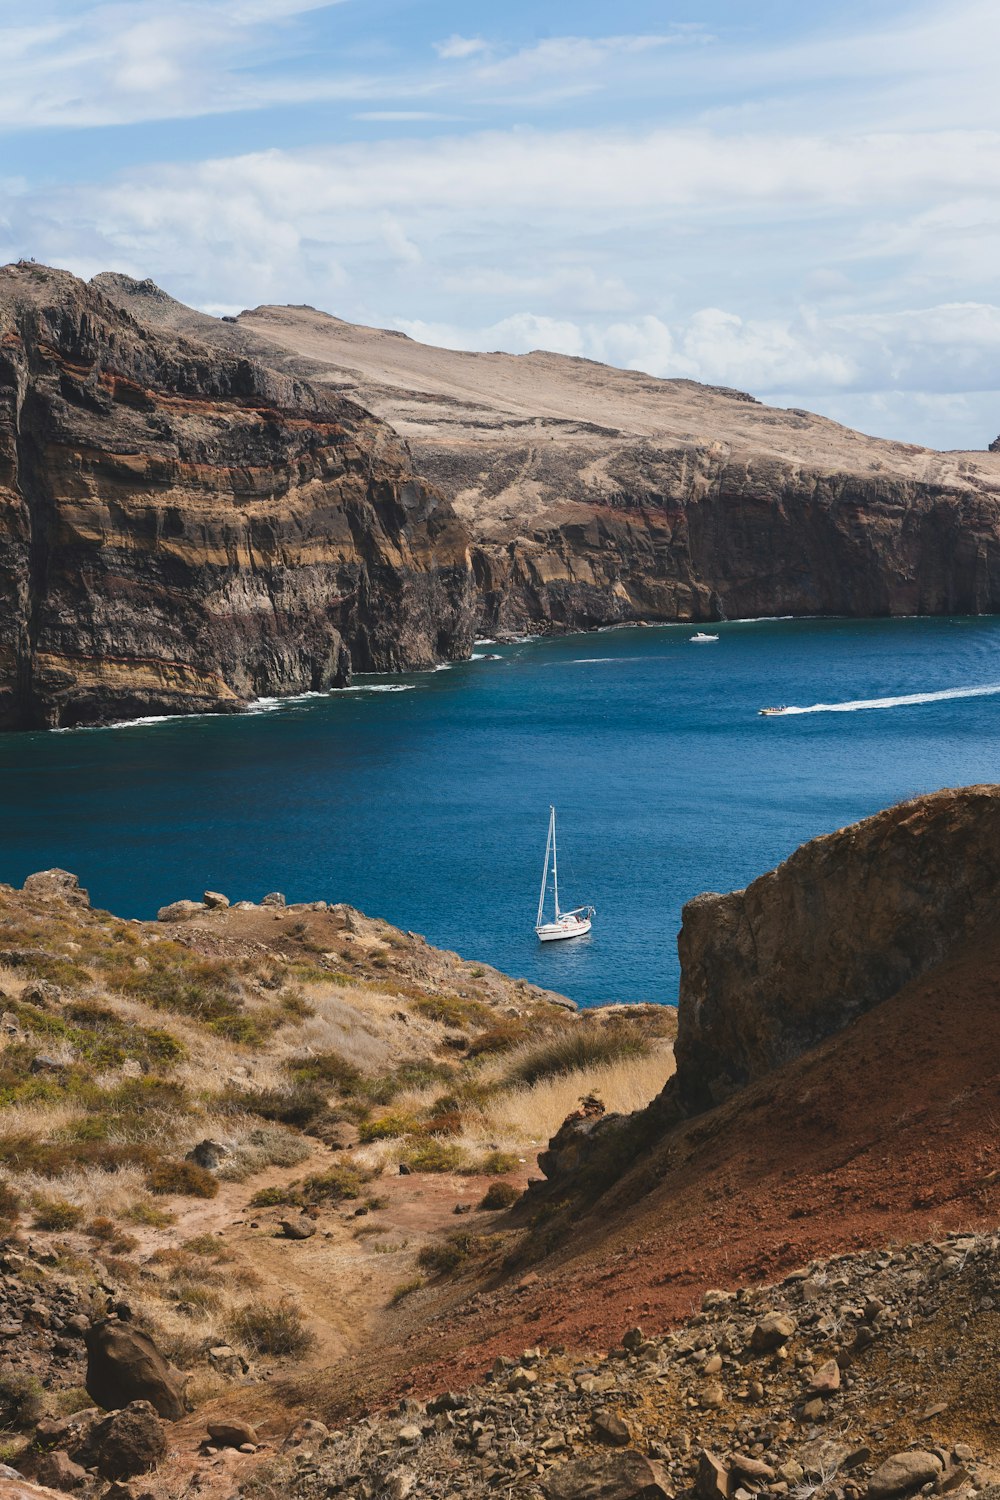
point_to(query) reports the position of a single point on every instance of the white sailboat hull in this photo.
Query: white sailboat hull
(566, 927)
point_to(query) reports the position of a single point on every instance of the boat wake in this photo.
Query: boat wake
(904, 700)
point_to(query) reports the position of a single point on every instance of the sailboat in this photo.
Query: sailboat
(566, 924)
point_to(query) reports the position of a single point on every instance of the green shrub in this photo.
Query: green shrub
(499, 1195)
(56, 1214)
(10, 1201)
(327, 1068)
(274, 1197)
(455, 1250)
(405, 1289)
(149, 1214)
(275, 1328)
(496, 1163)
(434, 1155)
(386, 1127)
(298, 1105)
(21, 1400)
(182, 1177)
(335, 1186)
(452, 1010)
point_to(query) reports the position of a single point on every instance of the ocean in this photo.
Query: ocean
(424, 799)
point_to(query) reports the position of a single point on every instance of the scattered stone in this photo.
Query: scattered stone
(754, 1469)
(622, 1475)
(712, 1479)
(608, 1427)
(409, 1434)
(826, 1380)
(903, 1472)
(771, 1332)
(55, 1469)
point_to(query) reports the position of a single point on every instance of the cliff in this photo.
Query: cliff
(597, 495)
(182, 529)
(846, 922)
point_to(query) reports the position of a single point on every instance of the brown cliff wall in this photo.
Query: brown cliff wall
(845, 923)
(184, 530)
(699, 535)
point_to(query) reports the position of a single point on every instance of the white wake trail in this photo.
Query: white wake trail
(903, 701)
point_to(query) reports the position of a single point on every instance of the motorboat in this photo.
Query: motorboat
(565, 924)
(700, 638)
(769, 713)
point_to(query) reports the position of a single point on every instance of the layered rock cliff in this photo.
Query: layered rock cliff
(182, 529)
(845, 923)
(597, 495)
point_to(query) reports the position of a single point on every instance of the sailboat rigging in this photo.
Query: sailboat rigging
(566, 924)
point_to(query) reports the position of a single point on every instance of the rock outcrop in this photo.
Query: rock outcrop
(847, 921)
(182, 529)
(597, 495)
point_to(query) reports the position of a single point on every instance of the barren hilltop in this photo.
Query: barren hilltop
(294, 1205)
(595, 494)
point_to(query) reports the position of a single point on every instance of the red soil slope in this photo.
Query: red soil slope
(887, 1132)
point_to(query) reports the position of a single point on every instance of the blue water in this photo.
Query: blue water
(429, 806)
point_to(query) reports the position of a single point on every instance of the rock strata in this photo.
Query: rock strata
(184, 530)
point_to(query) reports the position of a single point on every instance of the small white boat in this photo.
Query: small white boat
(566, 924)
(769, 713)
(699, 638)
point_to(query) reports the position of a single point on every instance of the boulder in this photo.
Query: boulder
(124, 1365)
(903, 1472)
(624, 1474)
(230, 1432)
(180, 911)
(273, 898)
(128, 1442)
(56, 885)
(826, 1379)
(208, 1154)
(298, 1229)
(214, 901)
(56, 1469)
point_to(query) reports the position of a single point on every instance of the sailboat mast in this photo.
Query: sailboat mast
(555, 867)
(545, 870)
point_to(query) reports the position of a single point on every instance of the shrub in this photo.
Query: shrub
(21, 1400)
(10, 1201)
(150, 1214)
(56, 1214)
(386, 1127)
(184, 1177)
(496, 1163)
(210, 1245)
(108, 1233)
(501, 1037)
(451, 1010)
(274, 1197)
(577, 1048)
(275, 1328)
(434, 1155)
(405, 1289)
(299, 1104)
(336, 1185)
(457, 1248)
(325, 1067)
(499, 1195)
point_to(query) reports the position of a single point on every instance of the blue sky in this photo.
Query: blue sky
(800, 201)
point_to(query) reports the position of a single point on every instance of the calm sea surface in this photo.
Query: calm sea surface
(429, 806)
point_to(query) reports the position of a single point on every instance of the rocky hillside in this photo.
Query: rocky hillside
(595, 494)
(182, 529)
(843, 924)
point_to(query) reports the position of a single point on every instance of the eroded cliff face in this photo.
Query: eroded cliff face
(182, 529)
(841, 926)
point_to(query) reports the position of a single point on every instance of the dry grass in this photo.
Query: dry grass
(529, 1115)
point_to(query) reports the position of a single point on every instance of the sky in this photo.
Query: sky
(802, 202)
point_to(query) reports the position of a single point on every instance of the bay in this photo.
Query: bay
(424, 799)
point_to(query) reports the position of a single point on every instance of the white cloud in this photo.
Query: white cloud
(457, 46)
